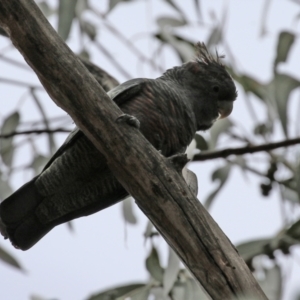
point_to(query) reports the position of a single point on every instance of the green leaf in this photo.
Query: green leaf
(215, 37)
(38, 163)
(153, 265)
(84, 54)
(253, 248)
(220, 174)
(220, 127)
(45, 8)
(285, 41)
(184, 48)
(294, 231)
(191, 180)
(10, 125)
(272, 283)
(169, 21)
(149, 230)
(113, 3)
(201, 142)
(249, 84)
(116, 292)
(198, 9)
(127, 209)
(5, 189)
(279, 90)
(9, 259)
(171, 271)
(89, 28)
(176, 7)
(141, 293)
(66, 14)
(194, 291)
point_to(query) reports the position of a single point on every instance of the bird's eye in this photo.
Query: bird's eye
(216, 89)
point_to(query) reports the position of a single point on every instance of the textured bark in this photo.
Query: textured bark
(150, 178)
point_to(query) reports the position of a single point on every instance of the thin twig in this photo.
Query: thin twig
(126, 41)
(37, 101)
(15, 62)
(244, 150)
(113, 60)
(36, 131)
(21, 83)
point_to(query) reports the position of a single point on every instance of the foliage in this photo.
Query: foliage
(282, 171)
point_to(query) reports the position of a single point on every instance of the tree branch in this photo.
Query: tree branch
(160, 191)
(244, 150)
(37, 131)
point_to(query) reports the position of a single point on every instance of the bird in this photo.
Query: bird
(77, 182)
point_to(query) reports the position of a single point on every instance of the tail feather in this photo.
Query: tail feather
(26, 216)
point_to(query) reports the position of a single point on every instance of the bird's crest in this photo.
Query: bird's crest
(203, 56)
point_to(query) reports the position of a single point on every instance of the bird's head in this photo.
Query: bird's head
(210, 86)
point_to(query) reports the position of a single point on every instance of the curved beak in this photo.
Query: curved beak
(224, 108)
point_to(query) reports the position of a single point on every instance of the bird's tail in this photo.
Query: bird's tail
(17, 217)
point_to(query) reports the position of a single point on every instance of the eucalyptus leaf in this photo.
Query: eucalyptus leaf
(89, 28)
(220, 127)
(285, 41)
(37, 297)
(45, 8)
(9, 259)
(198, 9)
(290, 195)
(5, 189)
(116, 292)
(66, 15)
(279, 90)
(84, 54)
(114, 3)
(249, 249)
(249, 84)
(220, 174)
(171, 271)
(182, 48)
(272, 283)
(201, 142)
(176, 7)
(170, 21)
(38, 163)
(127, 209)
(141, 293)
(215, 37)
(191, 180)
(10, 125)
(194, 291)
(153, 265)
(294, 231)
(149, 230)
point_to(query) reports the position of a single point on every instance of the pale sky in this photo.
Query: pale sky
(103, 252)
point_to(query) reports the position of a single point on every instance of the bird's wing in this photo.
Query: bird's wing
(120, 94)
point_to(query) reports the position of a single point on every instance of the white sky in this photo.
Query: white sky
(72, 266)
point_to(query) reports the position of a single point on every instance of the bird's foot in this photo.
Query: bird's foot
(130, 120)
(179, 161)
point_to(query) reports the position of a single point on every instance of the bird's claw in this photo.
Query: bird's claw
(179, 160)
(130, 120)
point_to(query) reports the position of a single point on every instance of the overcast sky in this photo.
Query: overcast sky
(103, 252)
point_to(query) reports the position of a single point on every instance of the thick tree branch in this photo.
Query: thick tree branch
(150, 178)
(244, 150)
